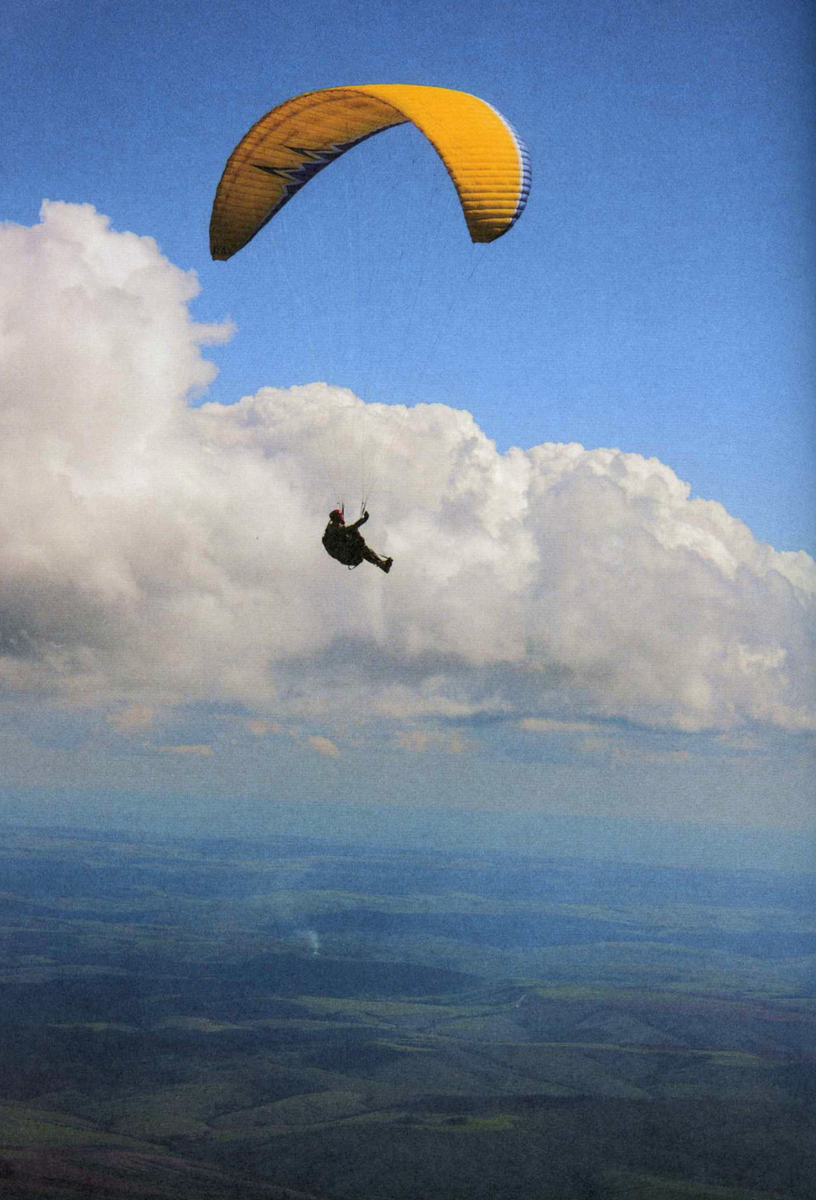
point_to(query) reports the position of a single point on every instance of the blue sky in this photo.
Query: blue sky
(656, 297)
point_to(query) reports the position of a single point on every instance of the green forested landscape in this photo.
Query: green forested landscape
(297, 1018)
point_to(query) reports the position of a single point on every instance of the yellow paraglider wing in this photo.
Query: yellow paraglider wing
(485, 158)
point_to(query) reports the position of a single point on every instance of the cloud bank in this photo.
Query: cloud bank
(157, 553)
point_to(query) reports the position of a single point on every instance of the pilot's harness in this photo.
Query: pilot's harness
(342, 508)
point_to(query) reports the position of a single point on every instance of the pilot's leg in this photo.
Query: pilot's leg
(383, 563)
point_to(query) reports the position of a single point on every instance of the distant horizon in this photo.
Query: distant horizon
(648, 842)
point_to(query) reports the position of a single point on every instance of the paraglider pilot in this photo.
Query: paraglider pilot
(346, 543)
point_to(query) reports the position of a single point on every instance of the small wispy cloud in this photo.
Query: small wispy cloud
(204, 750)
(138, 718)
(261, 728)
(419, 741)
(323, 745)
(549, 725)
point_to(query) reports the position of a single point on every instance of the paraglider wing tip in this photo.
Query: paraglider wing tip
(482, 237)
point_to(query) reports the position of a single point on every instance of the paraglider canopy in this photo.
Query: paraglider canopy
(484, 156)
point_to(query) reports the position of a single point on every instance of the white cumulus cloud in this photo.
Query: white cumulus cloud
(152, 552)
